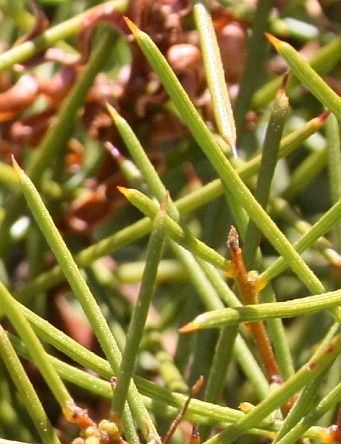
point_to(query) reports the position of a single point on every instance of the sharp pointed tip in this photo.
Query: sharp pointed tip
(234, 150)
(123, 190)
(131, 25)
(114, 152)
(112, 111)
(14, 162)
(323, 117)
(285, 80)
(191, 326)
(272, 39)
(16, 166)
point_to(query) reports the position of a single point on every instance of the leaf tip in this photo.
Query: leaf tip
(115, 153)
(191, 326)
(334, 257)
(123, 190)
(127, 192)
(19, 171)
(273, 40)
(285, 81)
(112, 111)
(131, 25)
(323, 117)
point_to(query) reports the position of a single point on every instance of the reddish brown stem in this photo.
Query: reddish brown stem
(248, 289)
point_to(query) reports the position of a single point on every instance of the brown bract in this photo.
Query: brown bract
(136, 93)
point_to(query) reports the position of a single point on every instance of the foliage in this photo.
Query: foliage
(186, 114)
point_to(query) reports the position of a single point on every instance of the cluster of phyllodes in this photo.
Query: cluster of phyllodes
(136, 93)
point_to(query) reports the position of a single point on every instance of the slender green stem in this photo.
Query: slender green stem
(186, 204)
(207, 290)
(139, 318)
(307, 75)
(316, 411)
(323, 62)
(36, 350)
(288, 144)
(300, 407)
(168, 370)
(305, 173)
(17, 13)
(159, 396)
(267, 169)
(169, 270)
(203, 287)
(26, 390)
(281, 208)
(251, 368)
(215, 74)
(255, 64)
(334, 169)
(208, 286)
(69, 268)
(228, 175)
(178, 234)
(143, 162)
(208, 293)
(319, 363)
(86, 257)
(320, 228)
(86, 358)
(312, 418)
(217, 377)
(257, 312)
(78, 285)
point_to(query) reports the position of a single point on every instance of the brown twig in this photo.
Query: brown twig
(249, 285)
